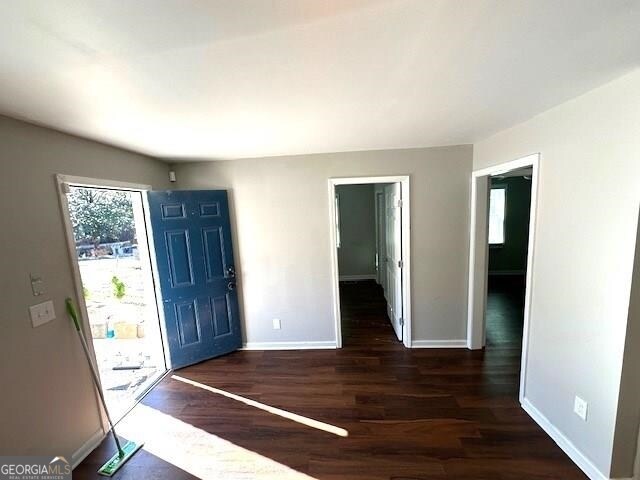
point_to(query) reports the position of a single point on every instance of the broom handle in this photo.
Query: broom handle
(72, 313)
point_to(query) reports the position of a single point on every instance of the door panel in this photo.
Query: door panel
(213, 240)
(188, 322)
(382, 243)
(222, 317)
(179, 256)
(394, 256)
(194, 254)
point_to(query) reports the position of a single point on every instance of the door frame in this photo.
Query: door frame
(406, 249)
(61, 181)
(479, 255)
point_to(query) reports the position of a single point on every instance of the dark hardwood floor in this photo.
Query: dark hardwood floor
(410, 414)
(505, 311)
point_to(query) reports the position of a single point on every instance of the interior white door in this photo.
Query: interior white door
(381, 268)
(393, 201)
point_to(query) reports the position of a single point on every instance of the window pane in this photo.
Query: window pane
(496, 216)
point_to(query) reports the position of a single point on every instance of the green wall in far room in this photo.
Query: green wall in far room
(512, 256)
(357, 252)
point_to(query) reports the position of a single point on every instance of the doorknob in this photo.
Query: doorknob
(231, 285)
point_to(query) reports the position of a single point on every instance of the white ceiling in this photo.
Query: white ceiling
(194, 79)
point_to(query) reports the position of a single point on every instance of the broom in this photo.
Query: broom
(126, 451)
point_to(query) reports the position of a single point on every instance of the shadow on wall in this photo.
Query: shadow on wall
(628, 418)
(237, 264)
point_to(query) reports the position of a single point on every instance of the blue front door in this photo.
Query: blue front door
(194, 255)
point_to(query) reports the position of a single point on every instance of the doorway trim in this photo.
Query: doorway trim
(479, 255)
(62, 181)
(406, 248)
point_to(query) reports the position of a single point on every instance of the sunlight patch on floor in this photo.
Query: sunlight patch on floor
(198, 452)
(309, 422)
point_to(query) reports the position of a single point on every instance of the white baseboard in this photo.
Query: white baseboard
(86, 448)
(589, 469)
(355, 278)
(439, 344)
(289, 345)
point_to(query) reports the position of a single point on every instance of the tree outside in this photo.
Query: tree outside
(101, 216)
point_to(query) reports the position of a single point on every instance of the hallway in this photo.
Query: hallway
(505, 310)
(364, 316)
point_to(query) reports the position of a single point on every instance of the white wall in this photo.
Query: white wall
(357, 252)
(48, 402)
(280, 211)
(588, 198)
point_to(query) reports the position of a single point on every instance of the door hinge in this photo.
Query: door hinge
(401, 322)
(400, 264)
(400, 203)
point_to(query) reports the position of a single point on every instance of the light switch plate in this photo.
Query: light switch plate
(42, 313)
(37, 285)
(276, 324)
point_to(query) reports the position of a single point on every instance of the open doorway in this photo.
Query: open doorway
(111, 258)
(155, 280)
(509, 214)
(501, 258)
(369, 218)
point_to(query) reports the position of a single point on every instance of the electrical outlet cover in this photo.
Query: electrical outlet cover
(42, 313)
(580, 408)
